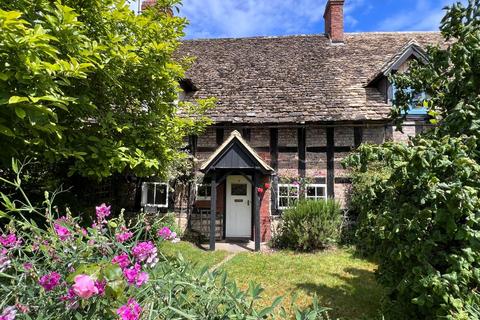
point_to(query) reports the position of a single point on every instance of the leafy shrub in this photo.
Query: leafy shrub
(423, 219)
(422, 224)
(310, 225)
(362, 202)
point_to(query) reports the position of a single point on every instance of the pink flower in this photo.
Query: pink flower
(134, 276)
(122, 260)
(9, 313)
(165, 233)
(260, 190)
(50, 280)
(100, 285)
(122, 237)
(70, 298)
(102, 211)
(267, 185)
(27, 266)
(130, 311)
(146, 252)
(84, 232)
(9, 241)
(84, 286)
(62, 232)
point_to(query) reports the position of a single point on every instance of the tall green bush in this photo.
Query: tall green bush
(310, 225)
(422, 219)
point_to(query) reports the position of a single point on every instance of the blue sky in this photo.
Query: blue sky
(242, 18)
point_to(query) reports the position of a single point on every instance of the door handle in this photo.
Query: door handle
(248, 202)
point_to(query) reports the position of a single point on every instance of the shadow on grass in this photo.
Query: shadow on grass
(358, 296)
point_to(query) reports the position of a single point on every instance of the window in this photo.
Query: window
(204, 191)
(287, 195)
(155, 194)
(239, 189)
(316, 192)
(416, 105)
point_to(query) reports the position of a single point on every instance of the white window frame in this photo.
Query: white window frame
(145, 186)
(316, 197)
(289, 187)
(202, 185)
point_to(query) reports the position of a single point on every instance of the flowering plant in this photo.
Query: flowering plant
(109, 270)
(62, 270)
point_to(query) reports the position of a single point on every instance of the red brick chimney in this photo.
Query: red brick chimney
(334, 20)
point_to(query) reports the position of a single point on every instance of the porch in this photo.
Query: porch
(237, 178)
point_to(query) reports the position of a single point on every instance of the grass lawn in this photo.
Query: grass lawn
(342, 282)
(192, 253)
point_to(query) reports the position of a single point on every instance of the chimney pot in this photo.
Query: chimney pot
(334, 20)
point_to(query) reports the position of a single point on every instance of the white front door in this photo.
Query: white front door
(239, 208)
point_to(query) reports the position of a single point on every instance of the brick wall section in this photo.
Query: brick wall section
(265, 226)
(287, 161)
(341, 193)
(375, 135)
(316, 137)
(344, 137)
(409, 130)
(316, 165)
(339, 170)
(208, 138)
(287, 137)
(259, 138)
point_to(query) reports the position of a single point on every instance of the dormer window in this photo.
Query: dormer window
(416, 105)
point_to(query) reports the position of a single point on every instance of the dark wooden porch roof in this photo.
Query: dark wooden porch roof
(235, 153)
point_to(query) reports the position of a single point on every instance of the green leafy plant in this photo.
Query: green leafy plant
(421, 219)
(310, 225)
(93, 87)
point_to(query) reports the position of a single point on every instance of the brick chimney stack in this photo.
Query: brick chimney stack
(334, 20)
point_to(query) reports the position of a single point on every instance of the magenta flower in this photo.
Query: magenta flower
(62, 232)
(84, 286)
(146, 252)
(9, 241)
(135, 276)
(165, 233)
(130, 311)
(50, 280)
(122, 237)
(70, 298)
(122, 260)
(102, 211)
(100, 285)
(9, 313)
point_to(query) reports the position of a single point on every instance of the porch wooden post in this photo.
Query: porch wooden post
(213, 211)
(256, 212)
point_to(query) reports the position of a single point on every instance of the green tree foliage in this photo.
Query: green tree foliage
(422, 219)
(92, 85)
